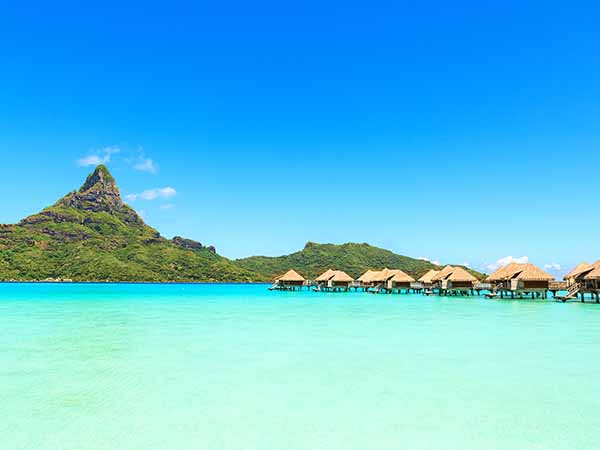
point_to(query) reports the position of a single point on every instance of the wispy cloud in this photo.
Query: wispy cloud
(152, 194)
(552, 266)
(146, 165)
(434, 261)
(91, 160)
(167, 206)
(102, 156)
(504, 261)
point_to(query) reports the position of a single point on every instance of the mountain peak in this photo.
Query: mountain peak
(98, 193)
(100, 178)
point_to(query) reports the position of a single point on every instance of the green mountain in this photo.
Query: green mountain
(354, 259)
(91, 235)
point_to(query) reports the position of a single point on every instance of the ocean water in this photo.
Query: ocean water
(239, 367)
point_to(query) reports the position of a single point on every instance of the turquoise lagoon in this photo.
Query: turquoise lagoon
(239, 367)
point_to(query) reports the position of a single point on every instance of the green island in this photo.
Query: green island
(91, 235)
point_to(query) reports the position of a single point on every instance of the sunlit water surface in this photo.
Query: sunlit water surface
(238, 367)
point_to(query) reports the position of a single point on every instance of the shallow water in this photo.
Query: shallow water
(238, 367)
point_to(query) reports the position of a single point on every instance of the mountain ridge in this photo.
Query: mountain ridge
(91, 235)
(353, 258)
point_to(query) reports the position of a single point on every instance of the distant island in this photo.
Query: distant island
(91, 235)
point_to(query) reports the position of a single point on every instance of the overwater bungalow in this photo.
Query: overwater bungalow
(436, 280)
(583, 279)
(334, 281)
(365, 281)
(571, 277)
(289, 281)
(453, 281)
(520, 280)
(426, 281)
(378, 278)
(392, 280)
(400, 281)
(325, 276)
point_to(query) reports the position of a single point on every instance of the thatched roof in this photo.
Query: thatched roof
(335, 275)
(534, 273)
(442, 274)
(367, 277)
(593, 275)
(578, 270)
(456, 274)
(340, 276)
(427, 278)
(391, 274)
(595, 272)
(382, 275)
(461, 275)
(325, 275)
(291, 275)
(504, 272)
(524, 272)
(401, 277)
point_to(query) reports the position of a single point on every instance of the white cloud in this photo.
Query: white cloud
(506, 260)
(91, 160)
(167, 206)
(146, 165)
(425, 258)
(152, 194)
(466, 264)
(99, 157)
(552, 266)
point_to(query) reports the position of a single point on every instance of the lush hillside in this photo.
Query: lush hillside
(352, 258)
(91, 235)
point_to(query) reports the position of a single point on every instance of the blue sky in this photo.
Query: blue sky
(460, 132)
